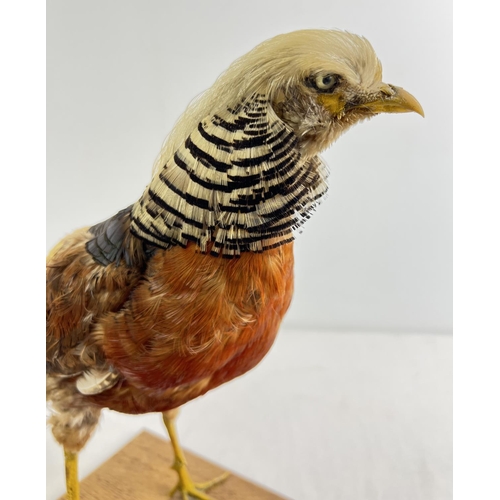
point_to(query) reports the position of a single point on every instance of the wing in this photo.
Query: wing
(90, 273)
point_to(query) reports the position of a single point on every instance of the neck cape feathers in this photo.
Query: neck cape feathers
(238, 183)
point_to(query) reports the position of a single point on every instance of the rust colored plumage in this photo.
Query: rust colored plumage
(173, 327)
(188, 323)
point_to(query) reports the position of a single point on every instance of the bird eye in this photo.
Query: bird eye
(323, 83)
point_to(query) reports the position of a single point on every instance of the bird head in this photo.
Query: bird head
(240, 170)
(319, 82)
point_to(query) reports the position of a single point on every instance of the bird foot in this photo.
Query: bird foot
(188, 489)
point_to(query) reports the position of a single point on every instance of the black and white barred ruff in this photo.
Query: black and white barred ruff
(238, 181)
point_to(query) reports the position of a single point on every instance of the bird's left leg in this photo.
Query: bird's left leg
(186, 486)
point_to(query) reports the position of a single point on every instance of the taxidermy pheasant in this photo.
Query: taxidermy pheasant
(186, 288)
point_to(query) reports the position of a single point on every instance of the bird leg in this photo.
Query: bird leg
(72, 484)
(186, 485)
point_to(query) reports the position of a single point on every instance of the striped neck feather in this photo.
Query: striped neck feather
(237, 184)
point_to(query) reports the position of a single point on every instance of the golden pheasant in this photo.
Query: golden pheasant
(186, 288)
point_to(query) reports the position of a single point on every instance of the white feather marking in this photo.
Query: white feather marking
(96, 381)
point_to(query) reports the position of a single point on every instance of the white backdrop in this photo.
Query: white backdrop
(330, 414)
(377, 254)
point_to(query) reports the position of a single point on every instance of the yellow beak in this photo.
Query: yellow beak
(393, 100)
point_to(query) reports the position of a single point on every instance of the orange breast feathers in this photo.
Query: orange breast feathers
(196, 321)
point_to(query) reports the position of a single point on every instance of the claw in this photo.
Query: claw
(214, 482)
(189, 489)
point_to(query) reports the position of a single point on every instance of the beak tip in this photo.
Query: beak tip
(418, 109)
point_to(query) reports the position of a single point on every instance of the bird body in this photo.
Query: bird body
(184, 325)
(186, 288)
(190, 323)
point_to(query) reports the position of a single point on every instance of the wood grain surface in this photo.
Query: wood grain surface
(141, 471)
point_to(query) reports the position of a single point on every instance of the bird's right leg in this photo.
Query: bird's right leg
(72, 425)
(72, 484)
(187, 487)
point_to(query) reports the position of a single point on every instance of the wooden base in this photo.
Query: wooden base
(141, 471)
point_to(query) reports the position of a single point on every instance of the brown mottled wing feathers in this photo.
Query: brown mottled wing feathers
(82, 287)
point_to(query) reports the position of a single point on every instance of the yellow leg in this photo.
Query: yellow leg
(186, 486)
(72, 484)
